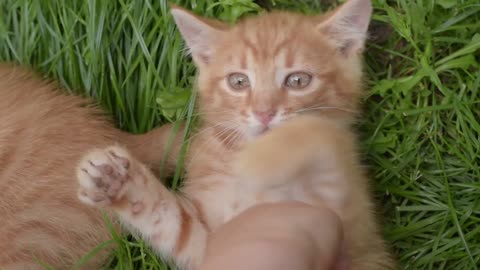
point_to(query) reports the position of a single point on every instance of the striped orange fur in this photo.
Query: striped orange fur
(43, 134)
(277, 93)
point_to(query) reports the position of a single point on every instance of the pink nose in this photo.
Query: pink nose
(265, 117)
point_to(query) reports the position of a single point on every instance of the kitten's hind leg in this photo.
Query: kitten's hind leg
(112, 178)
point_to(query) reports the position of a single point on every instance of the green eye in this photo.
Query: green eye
(238, 81)
(298, 80)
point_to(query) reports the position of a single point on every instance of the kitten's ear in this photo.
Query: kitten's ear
(347, 26)
(200, 34)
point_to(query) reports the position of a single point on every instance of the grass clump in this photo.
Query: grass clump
(421, 130)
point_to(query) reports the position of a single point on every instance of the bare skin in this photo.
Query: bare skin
(261, 238)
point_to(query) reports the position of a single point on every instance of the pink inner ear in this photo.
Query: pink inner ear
(356, 21)
(347, 36)
(197, 34)
(346, 47)
(361, 13)
(348, 25)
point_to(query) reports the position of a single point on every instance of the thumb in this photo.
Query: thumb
(287, 235)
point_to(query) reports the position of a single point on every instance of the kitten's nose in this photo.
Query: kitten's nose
(265, 117)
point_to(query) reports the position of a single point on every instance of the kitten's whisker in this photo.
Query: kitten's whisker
(313, 106)
(239, 135)
(185, 51)
(229, 140)
(210, 140)
(215, 136)
(324, 108)
(205, 129)
(213, 112)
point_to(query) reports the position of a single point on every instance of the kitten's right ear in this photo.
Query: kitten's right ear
(347, 26)
(200, 34)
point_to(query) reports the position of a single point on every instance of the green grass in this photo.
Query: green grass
(421, 130)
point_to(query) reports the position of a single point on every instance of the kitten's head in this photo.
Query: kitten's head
(270, 68)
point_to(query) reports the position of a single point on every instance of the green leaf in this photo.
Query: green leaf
(383, 143)
(172, 103)
(446, 3)
(383, 87)
(470, 48)
(405, 84)
(463, 62)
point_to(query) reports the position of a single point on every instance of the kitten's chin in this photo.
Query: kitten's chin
(255, 131)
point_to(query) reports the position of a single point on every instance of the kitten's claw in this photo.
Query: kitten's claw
(103, 175)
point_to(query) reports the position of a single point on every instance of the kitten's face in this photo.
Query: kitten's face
(268, 69)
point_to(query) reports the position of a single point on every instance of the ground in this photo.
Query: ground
(420, 133)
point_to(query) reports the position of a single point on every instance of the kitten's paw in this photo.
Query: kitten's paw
(103, 175)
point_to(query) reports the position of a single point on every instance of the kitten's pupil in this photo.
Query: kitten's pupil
(296, 81)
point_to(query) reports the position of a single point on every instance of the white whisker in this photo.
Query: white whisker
(229, 140)
(205, 129)
(239, 134)
(232, 112)
(312, 108)
(211, 140)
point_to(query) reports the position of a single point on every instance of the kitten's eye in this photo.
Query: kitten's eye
(298, 80)
(238, 81)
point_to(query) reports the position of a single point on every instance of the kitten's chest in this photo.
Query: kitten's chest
(232, 196)
(221, 195)
(214, 187)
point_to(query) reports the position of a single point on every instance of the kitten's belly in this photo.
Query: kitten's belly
(246, 198)
(222, 197)
(223, 202)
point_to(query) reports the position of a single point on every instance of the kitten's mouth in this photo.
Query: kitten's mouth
(258, 131)
(263, 130)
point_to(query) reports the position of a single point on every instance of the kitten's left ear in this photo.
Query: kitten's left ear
(200, 34)
(347, 26)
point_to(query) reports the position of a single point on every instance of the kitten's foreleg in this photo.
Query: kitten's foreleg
(112, 178)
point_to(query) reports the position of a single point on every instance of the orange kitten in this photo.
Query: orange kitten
(254, 76)
(321, 168)
(43, 134)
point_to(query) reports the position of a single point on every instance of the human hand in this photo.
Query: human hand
(287, 235)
